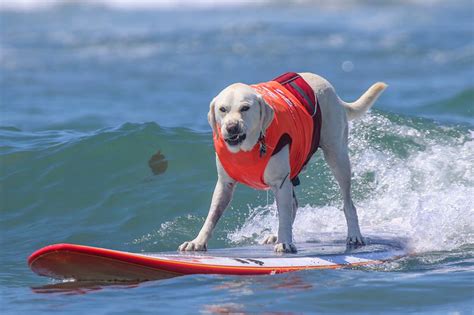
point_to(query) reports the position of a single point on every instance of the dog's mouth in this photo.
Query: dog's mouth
(235, 139)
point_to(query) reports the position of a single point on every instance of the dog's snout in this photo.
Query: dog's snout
(233, 128)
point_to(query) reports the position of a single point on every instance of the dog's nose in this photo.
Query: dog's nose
(233, 128)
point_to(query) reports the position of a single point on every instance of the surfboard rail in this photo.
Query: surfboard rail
(87, 263)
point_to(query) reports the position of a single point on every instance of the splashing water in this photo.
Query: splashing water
(415, 186)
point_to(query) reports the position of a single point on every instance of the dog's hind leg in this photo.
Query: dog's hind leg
(338, 160)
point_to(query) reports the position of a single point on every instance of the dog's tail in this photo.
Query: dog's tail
(362, 105)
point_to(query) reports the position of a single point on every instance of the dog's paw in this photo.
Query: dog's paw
(355, 240)
(285, 248)
(272, 239)
(193, 246)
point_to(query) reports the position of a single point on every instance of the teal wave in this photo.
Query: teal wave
(458, 108)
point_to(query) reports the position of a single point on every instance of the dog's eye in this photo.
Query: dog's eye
(244, 108)
(222, 109)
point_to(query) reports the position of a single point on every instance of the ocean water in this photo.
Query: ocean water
(91, 91)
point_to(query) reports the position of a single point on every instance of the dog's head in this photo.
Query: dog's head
(239, 115)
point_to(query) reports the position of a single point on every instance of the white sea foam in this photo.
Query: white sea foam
(427, 197)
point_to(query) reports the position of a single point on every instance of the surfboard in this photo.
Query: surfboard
(86, 263)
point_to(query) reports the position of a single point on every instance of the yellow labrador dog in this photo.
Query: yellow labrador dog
(240, 115)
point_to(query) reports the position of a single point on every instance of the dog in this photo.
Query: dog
(240, 117)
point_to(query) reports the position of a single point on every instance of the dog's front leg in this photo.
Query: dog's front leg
(284, 201)
(277, 176)
(221, 198)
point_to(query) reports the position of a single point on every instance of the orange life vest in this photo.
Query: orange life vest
(296, 121)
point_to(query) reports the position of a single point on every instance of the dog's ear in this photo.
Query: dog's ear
(211, 117)
(266, 114)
